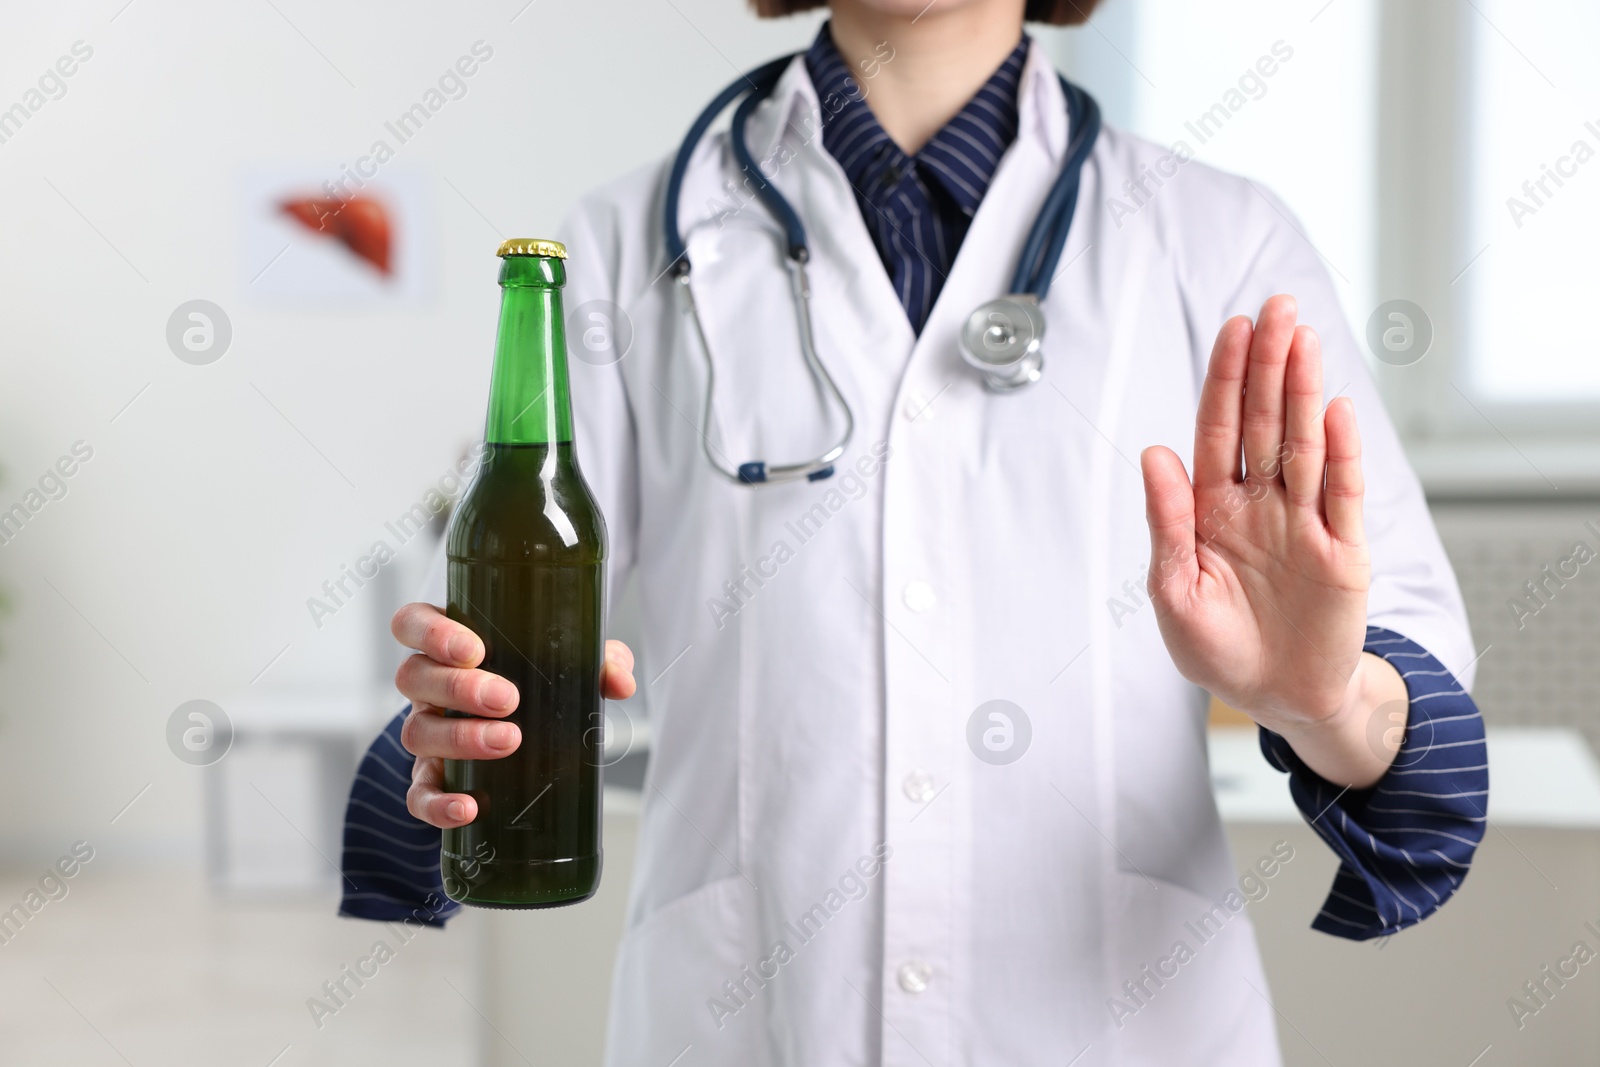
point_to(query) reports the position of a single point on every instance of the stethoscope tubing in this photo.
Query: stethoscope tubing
(1035, 266)
(759, 81)
(1048, 235)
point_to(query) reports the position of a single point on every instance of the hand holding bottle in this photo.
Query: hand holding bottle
(443, 675)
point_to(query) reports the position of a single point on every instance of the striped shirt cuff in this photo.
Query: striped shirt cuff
(391, 859)
(1406, 843)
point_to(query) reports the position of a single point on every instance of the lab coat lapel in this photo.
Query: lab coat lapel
(863, 335)
(993, 244)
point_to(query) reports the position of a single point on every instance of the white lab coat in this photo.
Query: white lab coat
(826, 719)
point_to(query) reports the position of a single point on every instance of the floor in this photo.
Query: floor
(146, 967)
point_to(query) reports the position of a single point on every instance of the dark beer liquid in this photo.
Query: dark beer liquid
(527, 575)
(536, 602)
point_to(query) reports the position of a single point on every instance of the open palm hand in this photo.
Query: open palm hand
(1259, 576)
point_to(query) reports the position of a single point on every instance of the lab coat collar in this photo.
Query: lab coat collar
(793, 109)
(1041, 106)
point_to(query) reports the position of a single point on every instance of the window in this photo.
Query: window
(1533, 203)
(1172, 71)
(1447, 154)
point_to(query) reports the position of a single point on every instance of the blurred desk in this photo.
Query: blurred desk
(1543, 777)
(1436, 993)
(275, 800)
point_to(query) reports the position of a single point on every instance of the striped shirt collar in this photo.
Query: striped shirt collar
(962, 157)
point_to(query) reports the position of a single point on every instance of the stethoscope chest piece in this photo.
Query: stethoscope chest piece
(1003, 339)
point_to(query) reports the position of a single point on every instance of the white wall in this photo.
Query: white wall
(194, 535)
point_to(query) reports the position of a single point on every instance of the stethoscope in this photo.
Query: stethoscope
(1001, 339)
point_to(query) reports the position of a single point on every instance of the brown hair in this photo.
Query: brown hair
(1056, 12)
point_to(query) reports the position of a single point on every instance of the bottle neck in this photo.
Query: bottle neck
(528, 399)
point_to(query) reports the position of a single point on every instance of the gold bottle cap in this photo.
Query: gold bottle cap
(532, 246)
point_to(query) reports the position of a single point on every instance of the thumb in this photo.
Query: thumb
(1169, 509)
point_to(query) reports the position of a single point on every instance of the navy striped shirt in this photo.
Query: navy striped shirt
(917, 208)
(391, 858)
(1405, 844)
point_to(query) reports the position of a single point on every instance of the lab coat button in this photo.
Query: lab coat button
(914, 976)
(919, 596)
(919, 786)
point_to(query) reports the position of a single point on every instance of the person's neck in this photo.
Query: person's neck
(940, 59)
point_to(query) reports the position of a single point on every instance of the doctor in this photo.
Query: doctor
(928, 780)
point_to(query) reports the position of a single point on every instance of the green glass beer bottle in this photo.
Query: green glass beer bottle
(527, 551)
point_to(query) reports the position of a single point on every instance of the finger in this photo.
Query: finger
(1342, 498)
(1169, 509)
(427, 800)
(429, 732)
(1216, 423)
(472, 691)
(1304, 446)
(425, 628)
(1263, 386)
(616, 675)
